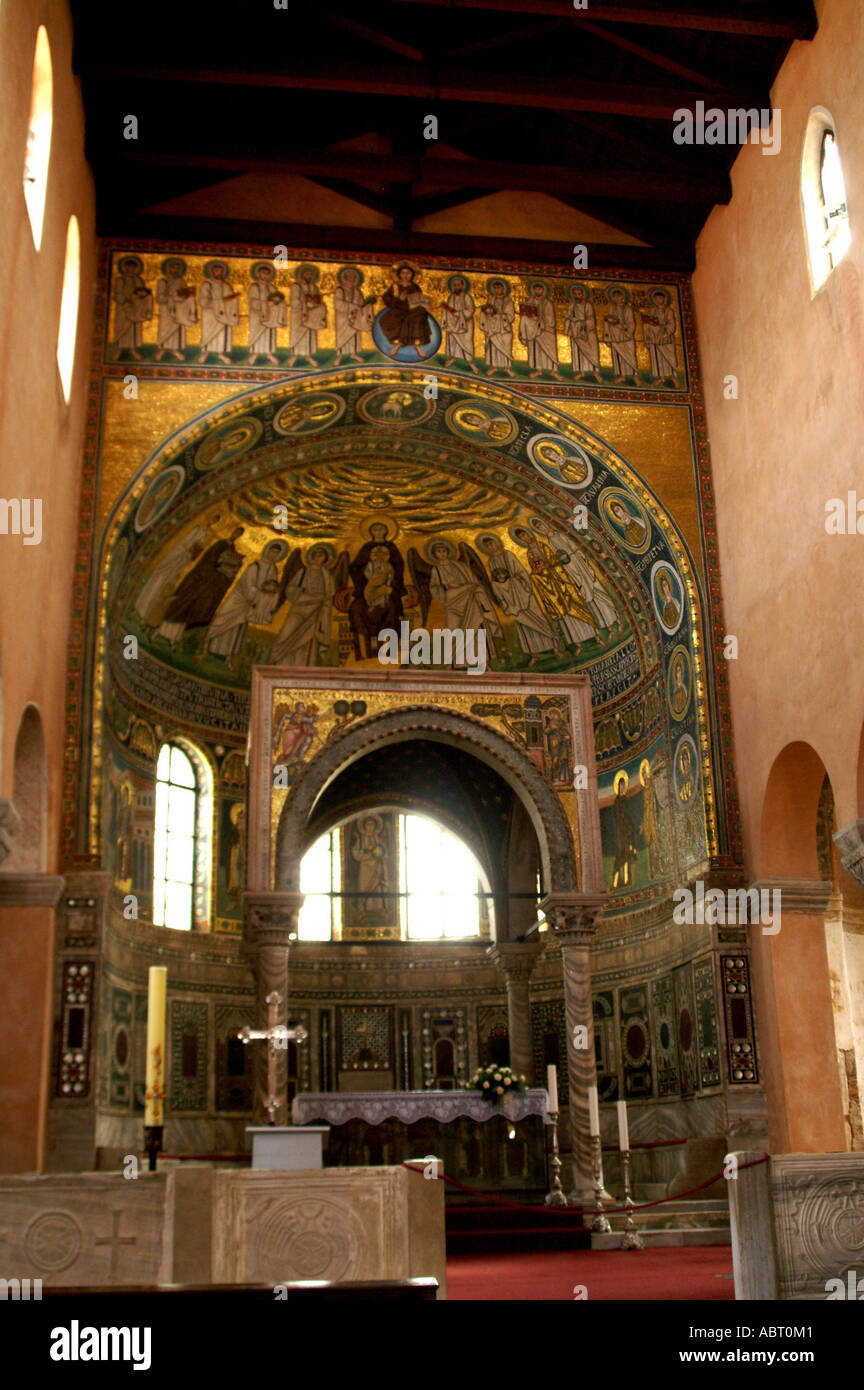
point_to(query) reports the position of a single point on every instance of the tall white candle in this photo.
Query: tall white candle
(552, 1087)
(593, 1111)
(155, 1085)
(623, 1131)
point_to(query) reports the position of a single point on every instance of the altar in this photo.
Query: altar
(486, 1146)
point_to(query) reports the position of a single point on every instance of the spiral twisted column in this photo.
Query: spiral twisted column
(572, 919)
(516, 961)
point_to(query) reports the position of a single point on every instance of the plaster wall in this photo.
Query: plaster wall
(40, 448)
(791, 441)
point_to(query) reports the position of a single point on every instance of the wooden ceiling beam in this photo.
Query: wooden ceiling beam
(755, 20)
(374, 36)
(548, 92)
(648, 55)
(430, 172)
(175, 232)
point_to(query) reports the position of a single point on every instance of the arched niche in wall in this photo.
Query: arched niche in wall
(30, 797)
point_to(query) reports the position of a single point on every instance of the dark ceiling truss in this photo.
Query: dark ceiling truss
(532, 98)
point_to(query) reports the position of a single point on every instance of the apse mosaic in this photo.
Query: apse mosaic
(322, 449)
(299, 315)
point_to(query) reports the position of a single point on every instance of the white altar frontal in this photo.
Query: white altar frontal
(491, 1147)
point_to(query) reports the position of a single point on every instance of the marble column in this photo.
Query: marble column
(270, 930)
(572, 919)
(516, 961)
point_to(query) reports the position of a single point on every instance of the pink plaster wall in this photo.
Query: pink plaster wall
(40, 456)
(40, 435)
(793, 439)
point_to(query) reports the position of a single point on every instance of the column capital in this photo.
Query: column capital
(516, 959)
(572, 917)
(271, 918)
(806, 895)
(30, 890)
(850, 843)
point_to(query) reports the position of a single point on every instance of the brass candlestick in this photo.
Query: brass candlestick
(632, 1240)
(600, 1222)
(555, 1196)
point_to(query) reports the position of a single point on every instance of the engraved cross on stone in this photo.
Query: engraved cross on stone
(277, 1036)
(115, 1239)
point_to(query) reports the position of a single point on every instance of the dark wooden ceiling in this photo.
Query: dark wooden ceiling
(531, 96)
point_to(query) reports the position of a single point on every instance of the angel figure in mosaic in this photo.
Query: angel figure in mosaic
(252, 600)
(460, 584)
(308, 586)
(294, 732)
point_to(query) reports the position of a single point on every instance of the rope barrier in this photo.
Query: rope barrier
(487, 1197)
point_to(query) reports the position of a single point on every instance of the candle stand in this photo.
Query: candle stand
(632, 1240)
(555, 1196)
(600, 1222)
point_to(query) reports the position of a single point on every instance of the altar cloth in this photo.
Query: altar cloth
(338, 1107)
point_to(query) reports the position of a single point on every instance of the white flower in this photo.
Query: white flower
(507, 1081)
(497, 1076)
(522, 1079)
(500, 1090)
(485, 1085)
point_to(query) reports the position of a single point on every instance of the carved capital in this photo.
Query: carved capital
(10, 824)
(850, 843)
(572, 917)
(271, 918)
(516, 959)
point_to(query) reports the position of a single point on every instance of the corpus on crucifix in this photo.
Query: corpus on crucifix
(277, 1037)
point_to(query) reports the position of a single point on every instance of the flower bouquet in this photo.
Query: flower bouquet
(495, 1083)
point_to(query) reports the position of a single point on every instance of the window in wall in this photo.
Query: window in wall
(320, 917)
(174, 839)
(823, 191)
(67, 332)
(441, 891)
(38, 152)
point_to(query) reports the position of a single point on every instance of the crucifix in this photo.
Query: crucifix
(277, 1036)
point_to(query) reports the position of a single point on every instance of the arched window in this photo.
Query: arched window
(68, 330)
(823, 191)
(174, 839)
(438, 889)
(38, 152)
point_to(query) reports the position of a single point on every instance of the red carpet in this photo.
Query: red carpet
(693, 1273)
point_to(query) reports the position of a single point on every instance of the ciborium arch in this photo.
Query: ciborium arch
(396, 707)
